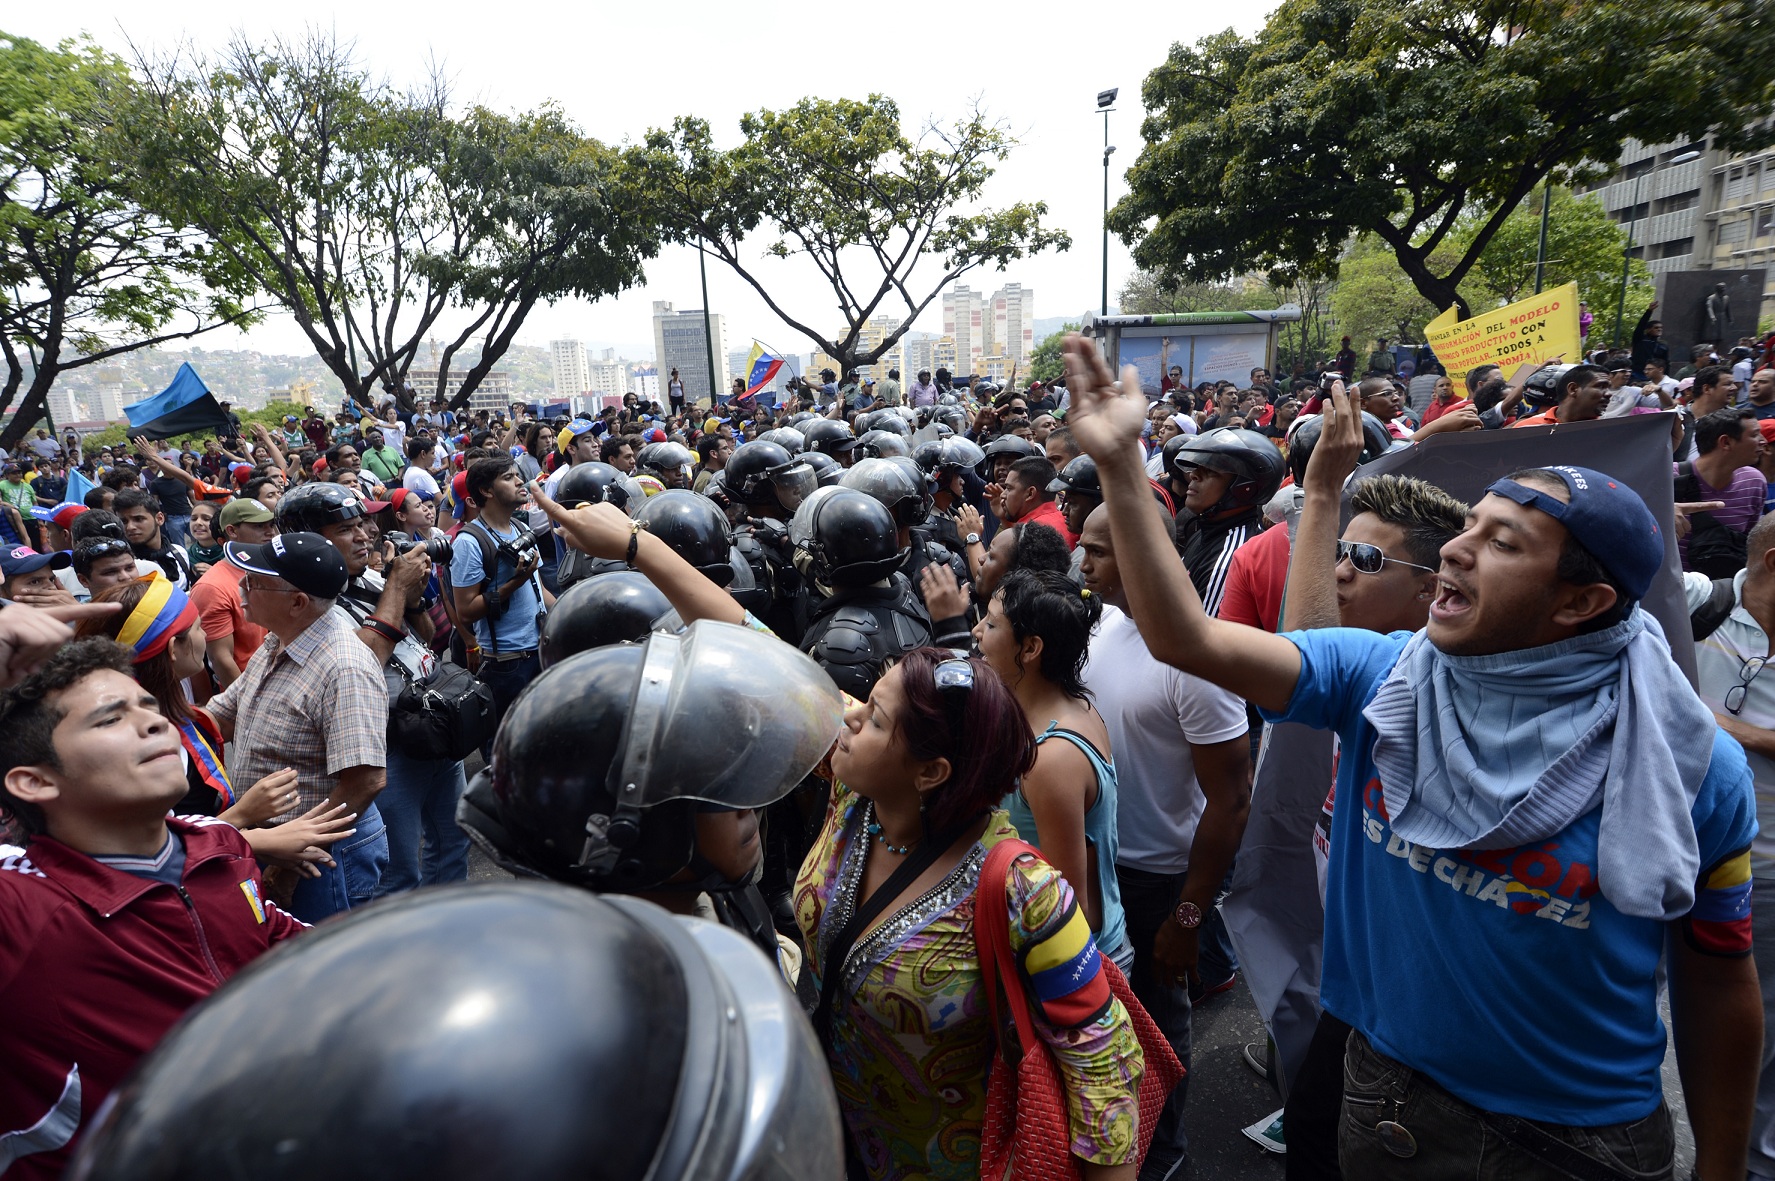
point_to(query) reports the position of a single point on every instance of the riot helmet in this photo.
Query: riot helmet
(902, 492)
(1005, 445)
(603, 760)
(310, 508)
(1252, 460)
(830, 436)
(881, 444)
(670, 463)
(827, 470)
(484, 1026)
(887, 420)
(694, 528)
(765, 475)
(786, 437)
(953, 417)
(620, 607)
(851, 538)
(593, 483)
(1078, 476)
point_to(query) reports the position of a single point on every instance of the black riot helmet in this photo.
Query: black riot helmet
(308, 508)
(592, 483)
(670, 462)
(828, 435)
(891, 421)
(881, 444)
(1009, 445)
(518, 1029)
(850, 536)
(693, 527)
(1252, 460)
(827, 470)
(786, 437)
(602, 762)
(1304, 433)
(620, 607)
(898, 484)
(953, 417)
(765, 475)
(1079, 477)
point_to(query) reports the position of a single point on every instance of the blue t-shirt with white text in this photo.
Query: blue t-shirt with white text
(1502, 974)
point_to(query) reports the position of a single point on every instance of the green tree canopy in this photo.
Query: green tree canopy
(840, 184)
(1410, 119)
(1046, 364)
(88, 270)
(371, 215)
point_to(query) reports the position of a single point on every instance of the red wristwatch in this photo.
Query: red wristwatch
(1188, 915)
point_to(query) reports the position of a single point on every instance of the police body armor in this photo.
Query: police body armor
(926, 550)
(854, 632)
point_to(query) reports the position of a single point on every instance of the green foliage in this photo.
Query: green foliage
(1411, 119)
(1147, 293)
(271, 418)
(89, 269)
(370, 214)
(839, 183)
(1045, 364)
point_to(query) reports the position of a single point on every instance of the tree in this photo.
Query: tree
(1147, 293)
(1584, 246)
(1374, 298)
(87, 271)
(1046, 364)
(1408, 119)
(839, 182)
(370, 215)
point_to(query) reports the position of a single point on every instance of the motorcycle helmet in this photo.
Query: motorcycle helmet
(670, 462)
(1304, 433)
(593, 483)
(308, 508)
(483, 1026)
(830, 436)
(1252, 460)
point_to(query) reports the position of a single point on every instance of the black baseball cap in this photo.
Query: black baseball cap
(307, 561)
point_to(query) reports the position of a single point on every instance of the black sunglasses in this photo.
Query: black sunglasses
(1369, 559)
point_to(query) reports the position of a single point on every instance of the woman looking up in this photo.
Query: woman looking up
(1034, 634)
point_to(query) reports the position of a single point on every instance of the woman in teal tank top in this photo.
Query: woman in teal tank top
(1034, 634)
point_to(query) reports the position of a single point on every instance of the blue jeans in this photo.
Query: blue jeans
(1762, 926)
(419, 805)
(507, 679)
(177, 530)
(1216, 961)
(358, 862)
(1147, 902)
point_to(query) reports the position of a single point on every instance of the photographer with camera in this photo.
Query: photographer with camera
(494, 573)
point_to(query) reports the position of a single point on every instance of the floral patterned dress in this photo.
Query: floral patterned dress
(912, 1039)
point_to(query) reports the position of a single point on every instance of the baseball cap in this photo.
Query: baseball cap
(398, 498)
(372, 507)
(1606, 517)
(62, 515)
(579, 426)
(243, 510)
(22, 559)
(307, 561)
(459, 492)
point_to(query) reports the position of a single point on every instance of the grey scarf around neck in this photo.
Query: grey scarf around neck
(1492, 752)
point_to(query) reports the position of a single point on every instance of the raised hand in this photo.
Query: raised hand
(1105, 417)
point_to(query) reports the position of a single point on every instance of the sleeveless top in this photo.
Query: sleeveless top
(1100, 834)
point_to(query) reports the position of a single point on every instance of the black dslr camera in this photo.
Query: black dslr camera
(438, 549)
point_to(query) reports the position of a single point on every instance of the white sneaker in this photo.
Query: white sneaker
(1266, 1133)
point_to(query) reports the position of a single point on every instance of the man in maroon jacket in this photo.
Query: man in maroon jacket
(114, 917)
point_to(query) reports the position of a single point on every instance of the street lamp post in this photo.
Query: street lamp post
(702, 264)
(1105, 99)
(1541, 252)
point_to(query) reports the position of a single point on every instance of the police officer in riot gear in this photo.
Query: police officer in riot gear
(882, 444)
(900, 485)
(515, 1029)
(832, 437)
(592, 482)
(870, 613)
(771, 484)
(621, 607)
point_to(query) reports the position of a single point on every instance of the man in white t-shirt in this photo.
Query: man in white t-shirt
(1183, 788)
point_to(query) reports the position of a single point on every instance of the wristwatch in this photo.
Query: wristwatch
(971, 539)
(1188, 915)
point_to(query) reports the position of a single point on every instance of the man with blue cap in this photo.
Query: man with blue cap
(1533, 810)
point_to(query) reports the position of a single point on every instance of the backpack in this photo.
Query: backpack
(1721, 598)
(1714, 549)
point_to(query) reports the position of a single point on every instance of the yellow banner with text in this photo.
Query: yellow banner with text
(1538, 329)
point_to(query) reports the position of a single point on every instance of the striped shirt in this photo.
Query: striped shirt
(1743, 499)
(319, 706)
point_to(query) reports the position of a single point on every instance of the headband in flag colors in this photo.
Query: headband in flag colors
(163, 612)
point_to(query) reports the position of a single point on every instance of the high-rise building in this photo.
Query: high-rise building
(607, 376)
(644, 384)
(1013, 322)
(1743, 223)
(61, 405)
(876, 330)
(572, 376)
(965, 320)
(679, 343)
(108, 394)
(496, 391)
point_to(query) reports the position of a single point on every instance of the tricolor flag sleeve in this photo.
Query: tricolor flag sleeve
(1055, 947)
(1719, 922)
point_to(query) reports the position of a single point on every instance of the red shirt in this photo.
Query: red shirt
(97, 964)
(1255, 580)
(1048, 513)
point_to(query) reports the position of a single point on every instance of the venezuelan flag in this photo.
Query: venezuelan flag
(761, 368)
(1719, 922)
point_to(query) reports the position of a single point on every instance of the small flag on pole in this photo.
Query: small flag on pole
(761, 369)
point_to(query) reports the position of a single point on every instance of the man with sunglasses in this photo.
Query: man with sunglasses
(1731, 657)
(1535, 819)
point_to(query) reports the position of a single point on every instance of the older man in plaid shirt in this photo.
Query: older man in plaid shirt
(313, 698)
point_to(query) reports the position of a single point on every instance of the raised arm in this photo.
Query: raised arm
(1105, 419)
(1311, 600)
(605, 531)
(146, 451)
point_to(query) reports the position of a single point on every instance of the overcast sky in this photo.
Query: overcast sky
(619, 69)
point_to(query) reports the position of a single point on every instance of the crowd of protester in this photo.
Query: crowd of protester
(273, 676)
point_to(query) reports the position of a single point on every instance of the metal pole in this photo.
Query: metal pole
(1627, 257)
(1541, 254)
(1106, 212)
(702, 262)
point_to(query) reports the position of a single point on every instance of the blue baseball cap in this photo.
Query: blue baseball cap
(1608, 519)
(22, 559)
(581, 426)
